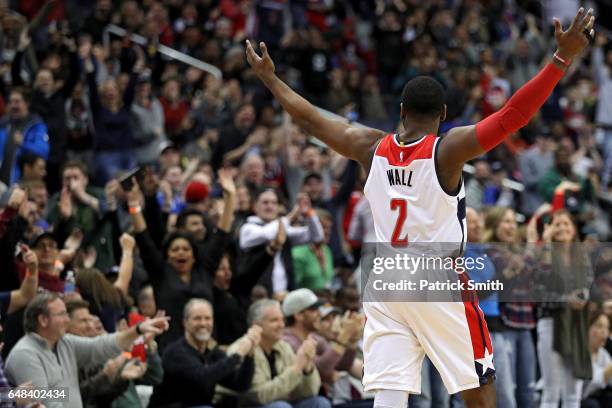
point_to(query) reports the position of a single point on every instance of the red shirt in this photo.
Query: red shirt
(173, 115)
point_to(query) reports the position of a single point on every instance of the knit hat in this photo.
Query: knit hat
(195, 192)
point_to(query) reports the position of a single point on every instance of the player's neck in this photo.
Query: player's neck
(415, 131)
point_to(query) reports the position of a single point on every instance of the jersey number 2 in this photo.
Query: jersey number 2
(401, 205)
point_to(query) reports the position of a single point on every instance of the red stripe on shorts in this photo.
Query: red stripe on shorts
(479, 333)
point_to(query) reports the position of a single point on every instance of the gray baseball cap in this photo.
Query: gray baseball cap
(300, 300)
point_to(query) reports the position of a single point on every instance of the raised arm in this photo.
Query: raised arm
(468, 142)
(352, 142)
(26, 292)
(229, 200)
(126, 267)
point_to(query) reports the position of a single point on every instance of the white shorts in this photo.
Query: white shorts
(397, 336)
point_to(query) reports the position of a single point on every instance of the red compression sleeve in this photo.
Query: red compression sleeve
(517, 112)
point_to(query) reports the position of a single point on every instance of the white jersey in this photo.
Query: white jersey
(409, 206)
(407, 201)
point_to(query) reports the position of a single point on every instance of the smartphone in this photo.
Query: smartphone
(127, 182)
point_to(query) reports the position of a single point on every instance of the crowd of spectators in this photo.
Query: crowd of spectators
(171, 238)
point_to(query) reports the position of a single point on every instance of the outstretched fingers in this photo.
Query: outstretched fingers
(251, 54)
(558, 27)
(589, 25)
(586, 20)
(577, 19)
(264, 50)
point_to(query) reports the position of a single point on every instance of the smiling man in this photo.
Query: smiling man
(194, 364)
(50, 358)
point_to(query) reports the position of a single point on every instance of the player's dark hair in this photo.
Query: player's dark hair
(423, 96)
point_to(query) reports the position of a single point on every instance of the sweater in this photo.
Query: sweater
(113, 129)
(33, 360)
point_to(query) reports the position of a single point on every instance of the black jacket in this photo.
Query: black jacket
(230, 307)
(171, 293)
(190, 376)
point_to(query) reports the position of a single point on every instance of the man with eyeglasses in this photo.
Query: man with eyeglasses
(50, 358)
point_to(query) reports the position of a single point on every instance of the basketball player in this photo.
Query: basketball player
(416, 193)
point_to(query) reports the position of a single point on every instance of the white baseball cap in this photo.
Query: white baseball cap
(300, 300)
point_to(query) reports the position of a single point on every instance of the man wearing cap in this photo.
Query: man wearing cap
(314, 186)
(301, 309)
(211, 240)
(46, 247)
(169, 155)
(283, 379)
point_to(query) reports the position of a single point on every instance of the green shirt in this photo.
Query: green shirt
(96, 229)
(307, 270)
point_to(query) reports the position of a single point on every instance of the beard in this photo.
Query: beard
(202, 335)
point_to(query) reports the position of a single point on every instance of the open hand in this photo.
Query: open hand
(263, 66)
(572, 42)
(226, 181)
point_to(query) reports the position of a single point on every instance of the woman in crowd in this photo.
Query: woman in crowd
(598, 391)
(174, 273)
(517, 318)
(563, 348)
(108, 300)
(232, 291)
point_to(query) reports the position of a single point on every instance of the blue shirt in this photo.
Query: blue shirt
(35, 141)
(490, 304)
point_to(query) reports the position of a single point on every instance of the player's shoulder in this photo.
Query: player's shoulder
(363, 142)
(365, 135)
